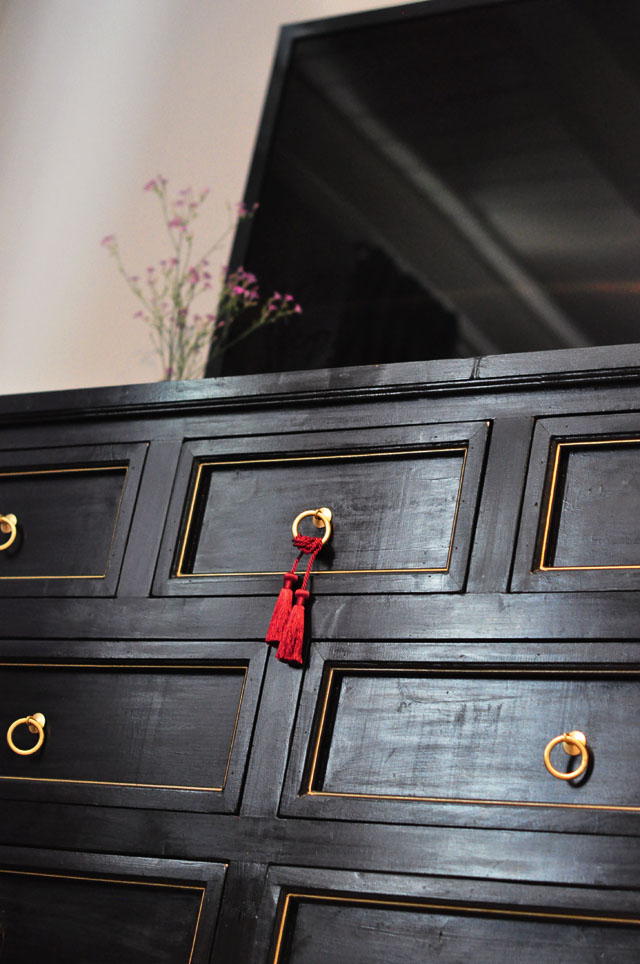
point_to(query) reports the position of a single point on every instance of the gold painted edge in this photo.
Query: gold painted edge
(472, 800)
(464, 449)
(552, 494)
(429, 907)
(95, 468)
(146, 666)
(195, 932)
(102, 880)
(116, 880)
(308, 791)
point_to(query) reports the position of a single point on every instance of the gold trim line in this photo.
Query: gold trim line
(430, 907)
(542, 567)
(308, 791)
(96, 468)
(137, 666)
(115, 880)
(463, 449)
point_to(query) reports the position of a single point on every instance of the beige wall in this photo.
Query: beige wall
(97, 96)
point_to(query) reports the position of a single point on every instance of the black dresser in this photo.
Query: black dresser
(172, 793)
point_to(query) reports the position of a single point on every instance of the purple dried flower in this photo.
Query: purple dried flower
(172, 287)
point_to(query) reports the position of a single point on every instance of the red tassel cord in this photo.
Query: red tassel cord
(282, 608)
(290, 648)
(287, 622)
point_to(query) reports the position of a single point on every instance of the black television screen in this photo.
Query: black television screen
(448, 179)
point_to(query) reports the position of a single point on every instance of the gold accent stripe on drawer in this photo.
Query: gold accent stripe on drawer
(116, 880)
(308, 790)
(145, 666)
(462, 449)
(429, 907)
(542, 567)
(98, 468)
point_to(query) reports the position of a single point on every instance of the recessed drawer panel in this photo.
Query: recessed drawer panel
(368, 918)
(57, 913)
(157, 734)
(418, 734)
(68, 516)
(346, 931)
(403, 511)
(581, 516)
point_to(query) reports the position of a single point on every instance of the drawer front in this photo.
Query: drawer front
(403, 506)
(580, 524)
(73, 509)
(346, 931)
(402, 739)
(376, 918)
(147, 734)
(114, 913)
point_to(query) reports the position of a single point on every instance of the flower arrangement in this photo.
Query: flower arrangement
(168, 291)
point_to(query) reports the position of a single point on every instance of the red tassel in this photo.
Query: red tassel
(282, 609)
(290, 648)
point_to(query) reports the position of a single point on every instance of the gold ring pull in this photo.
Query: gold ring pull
(321, 520)
(36, 723)
(573, 743)
(8, 524)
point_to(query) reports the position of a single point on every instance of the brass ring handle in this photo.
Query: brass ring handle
(8, 524)
(573, 743)
(36, 723)
(321, 519)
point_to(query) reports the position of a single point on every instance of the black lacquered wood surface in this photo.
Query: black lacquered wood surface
(428, 786)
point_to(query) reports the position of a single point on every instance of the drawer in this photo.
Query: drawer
(364, 918)
(156, 734)
(415, 734)
(403, 501)
(73, 509)
(580, 527)
(102, 910)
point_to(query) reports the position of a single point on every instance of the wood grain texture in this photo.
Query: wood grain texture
(60, 907)
(499, 514)
(318, 931)
(138, 565)
(171, 726)
(444, 686)
(82, 920)
(404, 502)
(580, 506)
(125, 732)
(377, 721)
(480, 738)
(392, 512)
(309, 912)
(560, 615)
(56, 514)
(595, 508)
(74, 509)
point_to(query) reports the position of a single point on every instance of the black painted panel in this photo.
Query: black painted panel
(66, 521)
(113, 729)
(595, 507)
(393, 512)
(403, 500)
(456, 734)
(318, 930)
(581, 507)
(478, 737)
(453, 737)
(73, 509)
(76, 920)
